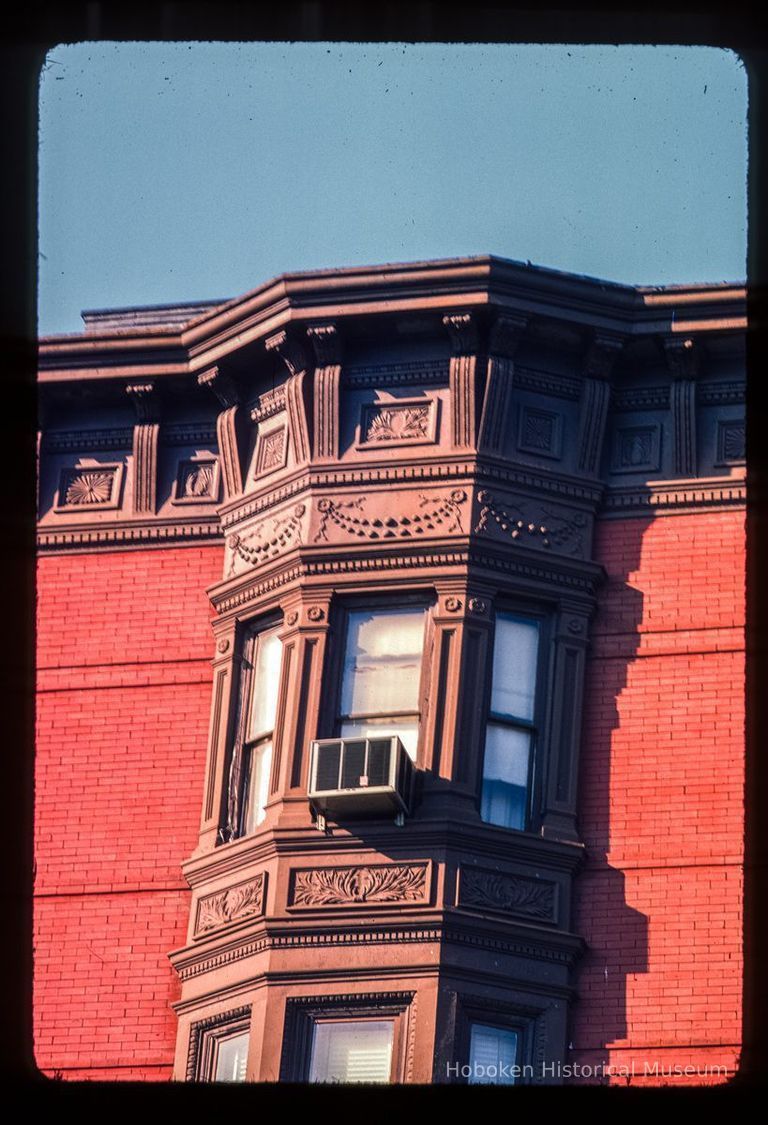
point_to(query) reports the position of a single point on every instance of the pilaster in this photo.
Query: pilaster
(327, 348)
(229, 428)
(463, 375)
(146, 433)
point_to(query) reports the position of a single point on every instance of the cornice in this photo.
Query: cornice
(425, 837)
(437, 469)
(546, 382)
(145, 533)
(449, 287)
(360, 376)
(443, 926)
(640, 398)
(529, 566)
(668, 497)
(83, 441)
(718, 394)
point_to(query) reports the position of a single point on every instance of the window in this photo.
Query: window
(218, 1047)
(231, 1058)
(347, 1038)
(352, 1051)
(492, 1055)
(252, 759)
(382, 673)
(507, 763)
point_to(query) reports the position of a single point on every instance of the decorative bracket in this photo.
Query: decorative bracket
(506, 333)
(290, 350)
(682, 356)
(326, 343)
(222, 385)
(462, 329)
(144, 400)
(601, 355)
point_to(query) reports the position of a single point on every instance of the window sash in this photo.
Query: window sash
(514, 673)
(352, 1051)
(371, 703)
(258, 769)
(406, 727)
(507, 772)
(231, 1058)
(492, 1049)
(266, 661)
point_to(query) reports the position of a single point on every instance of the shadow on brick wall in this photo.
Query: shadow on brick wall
(616, 934)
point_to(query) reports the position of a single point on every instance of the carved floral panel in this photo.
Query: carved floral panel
(271, 451)
(88, 487)
(244, 900)
(398, 423)
(636, 449)
(509, 894)
(730, 442)
(197, 481)
(539, 432)
(388, 884)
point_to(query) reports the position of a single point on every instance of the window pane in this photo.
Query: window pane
(382, 663)
(505, 776)
(231, 1058)
(257, 786)
(514, 667)
(407, 729)
(359, 1051)
(492, 1054)
(264, 684)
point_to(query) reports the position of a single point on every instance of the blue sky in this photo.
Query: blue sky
(188, 171)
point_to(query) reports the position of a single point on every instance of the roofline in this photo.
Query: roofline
(437, 286)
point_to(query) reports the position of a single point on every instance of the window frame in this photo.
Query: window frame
(333, 718)
(519, 1034)
(542, 616)
(303, 1013)
(207, 1034)
(241, 758)
(526, 1021)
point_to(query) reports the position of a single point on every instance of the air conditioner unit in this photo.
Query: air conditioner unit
(359, 777)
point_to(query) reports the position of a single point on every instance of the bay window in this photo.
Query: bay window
(510, 730)
(381, 674)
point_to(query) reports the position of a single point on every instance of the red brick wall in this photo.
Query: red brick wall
(124, 649)
(124, 680)
(662, 774)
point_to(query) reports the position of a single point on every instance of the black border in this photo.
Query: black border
(40, 26)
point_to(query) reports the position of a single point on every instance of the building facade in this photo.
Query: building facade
(390, 672)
